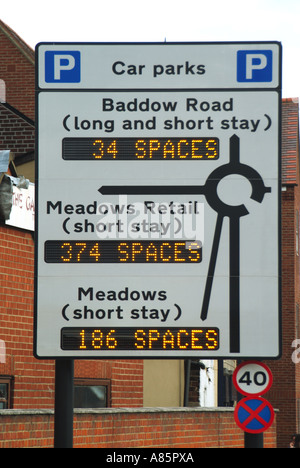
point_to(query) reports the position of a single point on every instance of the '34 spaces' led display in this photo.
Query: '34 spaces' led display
(140, 149)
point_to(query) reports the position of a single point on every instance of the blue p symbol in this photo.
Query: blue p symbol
(254, 66)
(62, 67)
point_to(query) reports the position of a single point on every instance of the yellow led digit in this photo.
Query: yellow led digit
(100, 145)
(69, 252)
(111, 341)
(94, 252)
(82, 246)
(97, 342)
(112, 149)
(82, 345)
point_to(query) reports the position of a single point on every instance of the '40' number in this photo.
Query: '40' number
(259, 378)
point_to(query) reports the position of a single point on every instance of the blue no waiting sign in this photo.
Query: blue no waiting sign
(254, 415)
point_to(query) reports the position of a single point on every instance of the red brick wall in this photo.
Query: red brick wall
(283, 392)
(126, 379)
(177, 428)
(286, 387)
(18, 72)
(297, 316)
(34, 379)
(16, 133)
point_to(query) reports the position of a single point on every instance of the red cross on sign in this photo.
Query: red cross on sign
(254, 415)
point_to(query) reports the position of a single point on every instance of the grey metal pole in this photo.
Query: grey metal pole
(64, 403)
(253, 440)
(187, 376)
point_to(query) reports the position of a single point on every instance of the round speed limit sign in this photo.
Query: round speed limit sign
(252, 378)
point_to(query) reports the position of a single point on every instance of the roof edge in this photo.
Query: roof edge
(24, 48)
(18, 113)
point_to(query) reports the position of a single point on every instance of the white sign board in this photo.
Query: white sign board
(158, 190)
(23, 208)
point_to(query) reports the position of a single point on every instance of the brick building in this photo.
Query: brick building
(285, 393)
(26, 383)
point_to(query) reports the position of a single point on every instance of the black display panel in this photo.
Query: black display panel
(128, 251)
(140, 149)
(142, 338)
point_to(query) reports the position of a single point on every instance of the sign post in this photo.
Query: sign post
(64, 403)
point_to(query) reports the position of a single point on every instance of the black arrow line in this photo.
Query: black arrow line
(152, 190)
(211, 268)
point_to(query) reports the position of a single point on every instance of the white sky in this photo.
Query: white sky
(159, 20)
